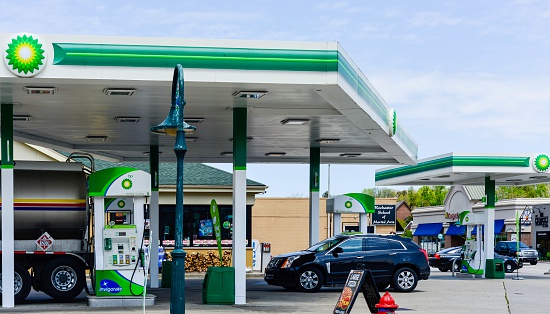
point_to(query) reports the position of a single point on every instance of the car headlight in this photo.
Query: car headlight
(289, 261)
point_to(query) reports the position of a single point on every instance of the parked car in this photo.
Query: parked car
(510, 263)
(509, 248)
(392, 260)
(443, 260)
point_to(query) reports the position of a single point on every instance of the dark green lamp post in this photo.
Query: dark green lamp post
(174, 125)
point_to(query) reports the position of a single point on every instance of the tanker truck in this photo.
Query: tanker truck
(54, 230)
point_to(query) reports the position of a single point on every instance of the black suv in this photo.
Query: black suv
(509, 248)
(390, 258)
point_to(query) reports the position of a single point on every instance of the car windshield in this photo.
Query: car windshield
(523, 245)
(325, 244)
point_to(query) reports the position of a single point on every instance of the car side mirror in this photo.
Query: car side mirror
(337, 251)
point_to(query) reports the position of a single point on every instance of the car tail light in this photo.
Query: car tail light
(437, 256)
(425, 253)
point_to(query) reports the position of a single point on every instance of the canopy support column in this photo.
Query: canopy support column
(314, 178)
(239, 202)
(154, 214)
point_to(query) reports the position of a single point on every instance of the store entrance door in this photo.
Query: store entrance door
(543, 243)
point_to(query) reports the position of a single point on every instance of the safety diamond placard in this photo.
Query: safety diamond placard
(45, 241)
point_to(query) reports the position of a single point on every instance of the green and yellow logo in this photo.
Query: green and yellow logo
(541, 163)
(348, 204)
(121, 204)
(127, 184)
(25, 56)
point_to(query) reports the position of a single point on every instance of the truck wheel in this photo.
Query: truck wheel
(21, 284)
(63, 278)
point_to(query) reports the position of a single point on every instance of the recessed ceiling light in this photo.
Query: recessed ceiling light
(96, 138)
(328, 140)
(538, 177)
(226, 153)
(127, 119)
(40, 90)
(295, 121)
(424, 179)
(119, 91)
(191, 139)
(350, 155)
(193, 120)
(275, 154)
(514, 180)
(249, 94)
(248, 139)
(444, 176)
(22, 117)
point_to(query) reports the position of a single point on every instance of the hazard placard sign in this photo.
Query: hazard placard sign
(45, 241)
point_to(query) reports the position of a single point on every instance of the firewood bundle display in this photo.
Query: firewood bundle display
(197, 261)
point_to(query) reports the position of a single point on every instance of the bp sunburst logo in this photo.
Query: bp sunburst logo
(348, 204)
(126, 184)
(25, 55)
(541, 163)
(121, 204)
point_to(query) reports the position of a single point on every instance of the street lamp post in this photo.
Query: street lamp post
(174, 125)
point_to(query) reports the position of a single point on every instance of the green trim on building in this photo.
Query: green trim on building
(454, 161)
(194, 57)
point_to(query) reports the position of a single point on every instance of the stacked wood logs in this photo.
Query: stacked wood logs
(198, 261)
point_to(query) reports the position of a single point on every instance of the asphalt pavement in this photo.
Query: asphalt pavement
(442, 293)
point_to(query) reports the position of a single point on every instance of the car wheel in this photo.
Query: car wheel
(443, 268)
(310, 280)
(533, 263)
(509, 267)
(457, 265)
(21, 284)
(404, 280)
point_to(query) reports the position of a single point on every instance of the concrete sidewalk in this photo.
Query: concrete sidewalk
(442, 293)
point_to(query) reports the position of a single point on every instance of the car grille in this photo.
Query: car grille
(275, 262)
(529, 254)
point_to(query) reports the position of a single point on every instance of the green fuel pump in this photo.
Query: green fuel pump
(118, 196)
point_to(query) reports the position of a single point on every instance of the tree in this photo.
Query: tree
(525, 191)
(380, 192)
(424, 196)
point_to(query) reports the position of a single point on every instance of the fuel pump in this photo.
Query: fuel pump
(118, 196)
(473, 258)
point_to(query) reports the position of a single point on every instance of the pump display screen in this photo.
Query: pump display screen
(119, 217)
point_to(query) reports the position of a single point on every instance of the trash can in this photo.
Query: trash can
(166, 274)
(494, 268)
(218, 286)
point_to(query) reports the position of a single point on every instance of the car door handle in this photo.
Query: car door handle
(393, 253)
(359, 256)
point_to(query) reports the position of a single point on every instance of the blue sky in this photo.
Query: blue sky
(464, 76)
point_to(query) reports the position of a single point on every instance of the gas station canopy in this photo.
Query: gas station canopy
(469, 169)
(102, 95)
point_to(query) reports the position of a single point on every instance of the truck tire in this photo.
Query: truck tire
(22, 284)
(63, 278)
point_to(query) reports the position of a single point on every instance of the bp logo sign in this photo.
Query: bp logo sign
(24, 55)
(348, 204)
(541, 163)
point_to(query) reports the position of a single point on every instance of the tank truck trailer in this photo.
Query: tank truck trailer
(55, 233)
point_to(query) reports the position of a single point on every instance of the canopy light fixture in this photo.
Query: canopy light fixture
(193, 120)
(249, 94)
(424, 179)
(22, 117)
(127, 119)
(328, 140)
(537, 177)
(226, 153)
(350, 155)
(40, 90)
(191, 139)
(119, 91)
(248, 139)
(294, 121)
(275, 154)
(149, 153)
(514, 180)
(96, 138)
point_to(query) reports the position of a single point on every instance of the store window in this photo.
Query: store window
(198, 229)
(431, 244)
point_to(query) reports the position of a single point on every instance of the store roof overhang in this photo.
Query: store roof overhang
(102, 95)
(469, 169)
